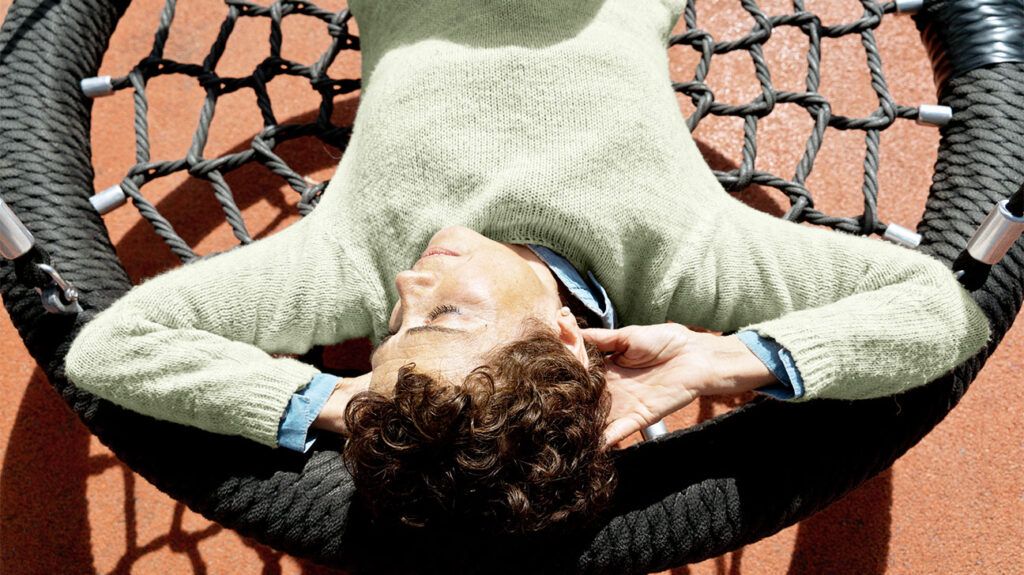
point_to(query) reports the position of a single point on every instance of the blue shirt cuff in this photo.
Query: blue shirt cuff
(294, 432)
(779, 361)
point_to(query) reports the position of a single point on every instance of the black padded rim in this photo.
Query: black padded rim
(962, 35)
(725, 488)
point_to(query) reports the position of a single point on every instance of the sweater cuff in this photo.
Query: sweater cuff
(815, 361)
(267, 397)
(779, 361)
(295, 431)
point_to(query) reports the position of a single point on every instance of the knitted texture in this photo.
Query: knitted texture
(542, 122)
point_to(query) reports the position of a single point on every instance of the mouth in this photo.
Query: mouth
(437, 251)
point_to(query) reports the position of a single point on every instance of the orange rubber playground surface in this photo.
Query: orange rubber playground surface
(953, 504)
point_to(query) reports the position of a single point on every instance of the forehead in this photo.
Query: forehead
(450, 356)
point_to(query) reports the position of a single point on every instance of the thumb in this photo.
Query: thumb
(604, 339)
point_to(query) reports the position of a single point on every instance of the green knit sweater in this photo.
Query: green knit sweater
(536, 121)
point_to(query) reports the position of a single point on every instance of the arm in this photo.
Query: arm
(861, 317)
(193, 345)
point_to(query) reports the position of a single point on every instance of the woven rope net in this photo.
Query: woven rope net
(342, 41)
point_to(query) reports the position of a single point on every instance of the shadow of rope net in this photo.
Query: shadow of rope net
(261, 148)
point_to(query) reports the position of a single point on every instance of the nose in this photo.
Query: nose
(409, 281)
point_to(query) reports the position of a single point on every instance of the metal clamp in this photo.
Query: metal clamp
(933, 115)
(15, 239)
(996, 234)
(909, 6)
(654, 431)
(108, 199)
(900, 235)
(96, 86)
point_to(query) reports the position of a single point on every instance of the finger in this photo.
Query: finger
(625, 360)
(618, 430)
(604, 339)
(626, 365)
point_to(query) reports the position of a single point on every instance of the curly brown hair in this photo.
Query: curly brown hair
(515, 448)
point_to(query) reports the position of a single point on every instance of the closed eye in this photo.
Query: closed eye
(441, 310)
(434, 314)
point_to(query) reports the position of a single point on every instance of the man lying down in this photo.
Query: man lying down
(523, 227)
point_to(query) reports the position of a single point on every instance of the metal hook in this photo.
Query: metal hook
(16, 240)
(59, 296)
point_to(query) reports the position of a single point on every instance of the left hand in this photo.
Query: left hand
(654, 370)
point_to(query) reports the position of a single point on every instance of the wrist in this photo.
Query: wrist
(735, 369)
(331, 416)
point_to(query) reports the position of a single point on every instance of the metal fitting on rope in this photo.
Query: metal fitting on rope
(108, 199)
(654, 431)
(933, 115)
(909, 6)
(17, 242)
(995, 235)
(990, 242)
(59, 296)
(15, 239)
(97, 86)
(900, 235)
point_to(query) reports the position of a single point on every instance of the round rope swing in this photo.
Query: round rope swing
(65, 271)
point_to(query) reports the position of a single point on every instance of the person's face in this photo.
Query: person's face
(468, 298)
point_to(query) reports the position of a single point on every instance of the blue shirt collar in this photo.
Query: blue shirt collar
(591, 294)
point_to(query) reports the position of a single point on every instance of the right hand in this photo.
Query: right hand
(653, 370)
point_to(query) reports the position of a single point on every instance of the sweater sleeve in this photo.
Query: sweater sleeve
(861, 317)
(194, 344)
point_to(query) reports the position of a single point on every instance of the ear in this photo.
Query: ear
(570, 334)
